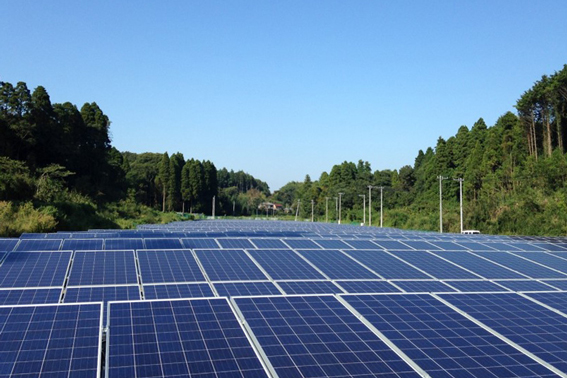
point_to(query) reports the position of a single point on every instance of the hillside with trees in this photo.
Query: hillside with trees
(59, 171)
(514, 175)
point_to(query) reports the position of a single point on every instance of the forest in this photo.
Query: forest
(514, 175)
(59, 171)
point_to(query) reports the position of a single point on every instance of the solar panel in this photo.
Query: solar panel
(169, 266)
(434, 266)
(163, 243)
(423, 286)
(200, 243)
(229, 265)
(421, 245)
(301, 243)
(475, 286)
(231, 289)
(332, 244)
(559, 284)
(235, 243)
(39, 245)
(269, 243)
(29, 296)
(440, 340)
(173, 291)
(387, 265)
(309, 287)
(500, 246)
(525, 285)
(540, 331)
(526, 246)
(8, 244)
(362, 244)
(550, 247)
(284, 265)
(556, 300)
(50, 340)
(368, 287)
(449, 246)
(103, 268)
(316, 336)
(477, 264)
(82, 245)
(392, 245)
(521, 265)
(548, 259)
(34, 269)
(337, 265)
(473, 246)
(101, 294)
(181, 338)
(122, 244)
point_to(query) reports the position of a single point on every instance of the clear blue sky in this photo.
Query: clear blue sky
(281, 89)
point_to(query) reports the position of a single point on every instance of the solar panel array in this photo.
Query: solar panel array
(281, 299)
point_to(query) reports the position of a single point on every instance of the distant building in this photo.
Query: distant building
(270, 206)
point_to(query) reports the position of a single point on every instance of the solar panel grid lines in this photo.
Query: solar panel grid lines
(367, 286)
(441, 339)
(246, 288)
(557, 284)
(475, 286)
(34, 269)
(30, 296)
(484, 268)
(39, 245)
(163, 243)
(309, 287)
(387, 265)
(337, 265)
(422, 286)
(547, 260)
(317, 336)
(285, 264)
(235, 243)
(552, 300)
(51, 340)
(531, 328)
(229, 265)
(435, 266)
(525, 285)
(90, 268)
(268, 244)
(8, 245)
(179, 290)
(182, 337)
(162, 266)
(522, 265)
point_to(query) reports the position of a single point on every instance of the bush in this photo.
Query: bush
(15, 220)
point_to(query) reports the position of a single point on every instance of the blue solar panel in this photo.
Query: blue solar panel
(362, 244)
(82, 245)
(337, 265)
(548, 259)
(559, 284)
(163, 243)
(8, 244)
(521, 265)
(540, 331)
(449, 246)
(103, 268)
(318, 337)
(39, 245)
(525, 285)
(556, 300)
(387, 265)
(332, 244)
(122, 244)
(500, 246)
(200, 243)
(421, 245)
(34, 269)
(232, 289)
(550, 247)
(434, 266)
(229, 265)
(309, 287)
(423, 286)
(269, 243)
(101, 294)
(475, 286)
(183, 338)
(285, 265)
(235, 243)
(29, 296)
(368, 287)
(50, 341)
(526, 246)
(480, 266)
(300, 243)
(392, 245)
(169, 266)
(440, 340)
(173, 291)
(475, 246)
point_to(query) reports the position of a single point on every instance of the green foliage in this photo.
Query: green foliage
(16, 219)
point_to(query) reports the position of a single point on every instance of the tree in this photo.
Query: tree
(162, 179)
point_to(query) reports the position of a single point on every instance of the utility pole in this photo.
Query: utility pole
(370, 205)
(381, 202)
(460, 180)
(312, 209)
(336, 206)
(214, 206)
(297, 209)
(326, 209)
(363, 209)
(441, 178)
(233, 208)
(340, 202)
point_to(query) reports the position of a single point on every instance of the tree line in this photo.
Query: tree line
(57, 164)
(514, 175)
